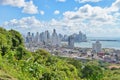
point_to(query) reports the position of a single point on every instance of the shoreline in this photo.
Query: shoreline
(106, 40)
(105, 44)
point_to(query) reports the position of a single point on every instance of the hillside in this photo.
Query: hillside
(16, 63)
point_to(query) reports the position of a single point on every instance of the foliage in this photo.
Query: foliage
(16, 38)
(92, 72)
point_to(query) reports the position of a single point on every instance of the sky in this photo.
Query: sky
(95, 18)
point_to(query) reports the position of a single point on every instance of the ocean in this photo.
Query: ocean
(113, 43)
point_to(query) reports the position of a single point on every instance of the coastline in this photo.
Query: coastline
(105, 44)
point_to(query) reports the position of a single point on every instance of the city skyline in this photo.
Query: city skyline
(95, 18)
(47, 37)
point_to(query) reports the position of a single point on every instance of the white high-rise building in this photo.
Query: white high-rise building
(46, 37)
(55, 40)
(97, 47)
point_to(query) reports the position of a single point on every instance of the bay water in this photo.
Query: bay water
(107, 43)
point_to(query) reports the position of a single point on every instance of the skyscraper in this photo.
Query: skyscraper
(46, 36)
(71, 41)
(32, 38)
(37, 37)
(41, 36)
(28, 37)
(80, 37)
(55, 40)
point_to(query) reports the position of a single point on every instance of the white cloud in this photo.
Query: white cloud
(31, 24)
(15, 3)
(84, 1)
(92, 20)
(64, 26)
(116, 3)
(24, 24)
(56, 12)
(60, 0)
(42, 12)
(28, 7)
(88, 13)
(115, 6)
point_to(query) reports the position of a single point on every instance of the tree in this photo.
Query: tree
(92, 72)
(16, 38)
(22, 53)
(3, 44)
(77, 64)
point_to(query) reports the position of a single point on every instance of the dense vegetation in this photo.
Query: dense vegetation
(16, 63)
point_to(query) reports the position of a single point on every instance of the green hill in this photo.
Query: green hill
(16, 63)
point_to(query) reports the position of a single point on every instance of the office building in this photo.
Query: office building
(97, 47)
(71, 41)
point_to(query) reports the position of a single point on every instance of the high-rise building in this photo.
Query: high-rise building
(28, 38)
(71, 41)
(46, 37)
(60, 36)
(84, 38)
(33, 37)
(37, 37)
(55, 40)
(65, 38)
(80, 37)
(97, 47)
(41, 36)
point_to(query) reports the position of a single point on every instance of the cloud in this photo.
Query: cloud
(64, 26)
(56, 12)
(28, 7)
(42, 12)
(15, 3)
(31, 24)
(115, 6)
(116, 3)
(92, 20)
(84, 1)
(88, 13)
(24, 24)
(60, 0)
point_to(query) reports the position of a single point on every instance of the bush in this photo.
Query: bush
(92, 72)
